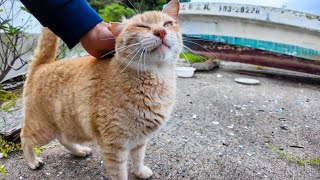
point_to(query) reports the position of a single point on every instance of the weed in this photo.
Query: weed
(301, 161)
(3, 171)
(260, 67)
(6, 147)
(37, 150)
(191, 58)
(313, 161)
(8, 97)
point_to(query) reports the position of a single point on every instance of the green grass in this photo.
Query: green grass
(37, 150)
(3, 171)
(313, 161)
(192, 58)
(6, 147)
(6, 96)
(9, 99)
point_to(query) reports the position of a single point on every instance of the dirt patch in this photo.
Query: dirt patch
(219, 130)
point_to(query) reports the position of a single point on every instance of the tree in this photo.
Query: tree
(145, 5)
(13, 39)
(99, 4)
(115, 12)
(139, 6)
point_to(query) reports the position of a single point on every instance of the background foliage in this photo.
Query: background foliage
(114, 12)
(13, 39)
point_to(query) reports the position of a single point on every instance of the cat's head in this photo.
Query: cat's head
(151, 39)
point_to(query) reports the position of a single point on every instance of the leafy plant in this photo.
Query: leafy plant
(145, 5)
(98, 4)
(6, 147)
(191, 58)
(14, 42)
(8, 97)
(37, 150)
(313, 161)
(3, 171)
(114, 12)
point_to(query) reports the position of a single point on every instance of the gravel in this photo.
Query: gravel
(229, 138)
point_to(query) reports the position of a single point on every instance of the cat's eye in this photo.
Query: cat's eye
(141, 26)
(168, 24)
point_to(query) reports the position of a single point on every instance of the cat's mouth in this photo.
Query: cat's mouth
(161, 47)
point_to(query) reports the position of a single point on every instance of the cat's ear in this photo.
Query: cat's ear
(172, 9)
(116, 28)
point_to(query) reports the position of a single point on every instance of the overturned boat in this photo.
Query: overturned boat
(265, 36)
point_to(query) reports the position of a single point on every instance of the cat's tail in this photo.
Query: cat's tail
(46, 49)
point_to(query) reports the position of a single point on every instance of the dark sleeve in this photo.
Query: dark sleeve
(68, 19)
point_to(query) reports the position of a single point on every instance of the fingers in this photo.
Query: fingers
(116, 28)
(98, 40)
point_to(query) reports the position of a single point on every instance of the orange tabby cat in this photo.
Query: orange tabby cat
(118, 102)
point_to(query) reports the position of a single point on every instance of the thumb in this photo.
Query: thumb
(116, 28)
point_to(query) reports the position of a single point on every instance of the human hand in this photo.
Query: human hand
(99, 40)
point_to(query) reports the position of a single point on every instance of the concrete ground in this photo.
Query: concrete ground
(219, 130)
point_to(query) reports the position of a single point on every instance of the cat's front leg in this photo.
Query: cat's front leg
(115, 160)
(137, 156)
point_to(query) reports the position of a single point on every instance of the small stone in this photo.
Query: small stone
(247, 81)
(225, 143)
(282, 119)
(194, 116)
(284, 126)
(231, 126)
(20, 177)
(279, 110)
(215, 122)
(231, 134)
(219, 76)
(1, 155)
(48, 174)
(296, 146)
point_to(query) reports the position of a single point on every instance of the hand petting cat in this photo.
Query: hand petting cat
(99, 40)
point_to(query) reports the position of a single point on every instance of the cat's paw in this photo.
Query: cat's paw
(144, 173)
(83, 151)
(36, 163)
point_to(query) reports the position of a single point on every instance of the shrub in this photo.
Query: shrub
(115, 12)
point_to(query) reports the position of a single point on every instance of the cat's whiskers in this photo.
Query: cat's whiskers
(202, 47)
(144, 60)
(127, 57)
(196, 39)
(193, 52)
(131, 60)
(134, 7)
(134, 12)
(119, 49)
(185, 57)
(123, 36)
(140, 58)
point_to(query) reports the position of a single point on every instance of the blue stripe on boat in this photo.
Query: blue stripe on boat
(263, 45)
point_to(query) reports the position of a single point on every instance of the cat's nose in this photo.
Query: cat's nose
(161, 33)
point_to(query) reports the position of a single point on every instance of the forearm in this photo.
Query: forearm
(69, 19)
